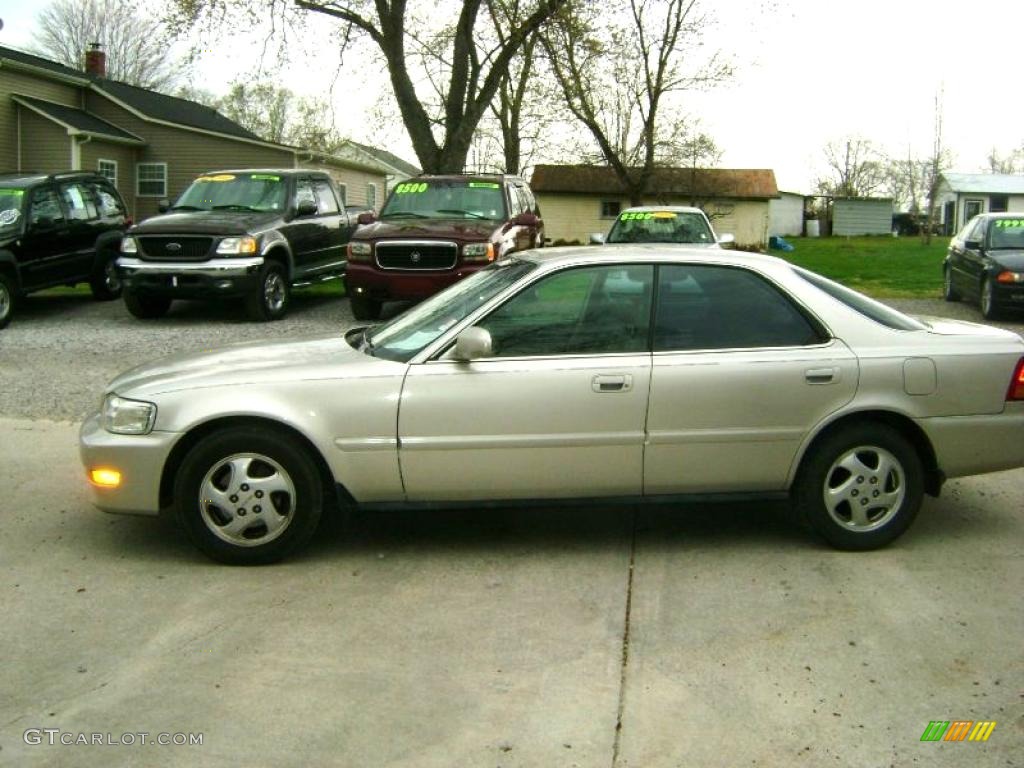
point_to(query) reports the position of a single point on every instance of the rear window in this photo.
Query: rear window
(860, 303)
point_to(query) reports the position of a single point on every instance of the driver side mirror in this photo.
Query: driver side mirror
(306, 208)
(526, 219)
(163, 206)
(597, 238)
(472, 344)
(972, 245)
(366, 217)
(727, 239)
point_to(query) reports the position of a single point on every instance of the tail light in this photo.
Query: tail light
(128, 221)
(1016, 390)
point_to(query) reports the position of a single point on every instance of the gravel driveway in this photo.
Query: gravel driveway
(61, 350)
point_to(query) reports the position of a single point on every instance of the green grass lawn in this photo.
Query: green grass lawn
(881, 266)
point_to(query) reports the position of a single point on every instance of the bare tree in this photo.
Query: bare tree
(135, 44)
(618, 65)
(441, 116)
(1012, 162)
(937, 163)
(855, 169)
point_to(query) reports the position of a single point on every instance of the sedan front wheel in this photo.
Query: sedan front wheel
(860, 487)
(248, 495)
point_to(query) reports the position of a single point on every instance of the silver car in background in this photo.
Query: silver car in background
(642, 372)
(679, 224)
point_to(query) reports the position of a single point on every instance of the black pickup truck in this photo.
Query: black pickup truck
(244, 234)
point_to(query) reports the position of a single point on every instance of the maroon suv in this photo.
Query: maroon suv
(435, 230)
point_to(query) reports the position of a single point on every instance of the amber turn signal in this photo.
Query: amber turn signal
(105, 478)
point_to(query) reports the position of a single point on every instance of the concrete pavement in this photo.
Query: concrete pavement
(503, 638)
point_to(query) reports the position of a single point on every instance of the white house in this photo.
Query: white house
(964, 195)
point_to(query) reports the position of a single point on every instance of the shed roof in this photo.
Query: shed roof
(77, 120)
(747, 184)
(988, 183)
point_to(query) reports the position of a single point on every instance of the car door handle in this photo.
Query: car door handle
(612, 383)
(821, 375)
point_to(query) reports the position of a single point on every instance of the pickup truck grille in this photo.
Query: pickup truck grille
(416, 255)
(172, 248)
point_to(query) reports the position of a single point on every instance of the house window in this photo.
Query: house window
(998, 203)
(610, 209)
(108, 168)
(151, 179)
(371, 196)
(972, 208)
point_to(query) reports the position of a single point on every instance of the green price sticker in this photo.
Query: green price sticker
(411, 188)
(11, 192)
(636, 216)
(1010, 223)
(484, 185)
(265, 177)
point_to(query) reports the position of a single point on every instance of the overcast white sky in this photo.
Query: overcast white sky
(808, 72)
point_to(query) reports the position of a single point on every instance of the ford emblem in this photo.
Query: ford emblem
(174, 247)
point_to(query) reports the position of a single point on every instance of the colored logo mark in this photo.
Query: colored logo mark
(958, 730)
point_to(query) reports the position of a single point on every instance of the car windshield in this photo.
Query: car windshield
(234, 191)
(441, 198)
(858, 302)
(10, 206)
(404, 336)
(1007, 233)
(660, 227)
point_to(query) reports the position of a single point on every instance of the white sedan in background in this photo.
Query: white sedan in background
(639, 372)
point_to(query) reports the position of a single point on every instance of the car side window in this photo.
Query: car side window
(304, 192)
(78, 202)
(106, 200)
(515, 203)
(712, 307)
(326, 200)
(45, 208)
(582, 311)
(977, 232)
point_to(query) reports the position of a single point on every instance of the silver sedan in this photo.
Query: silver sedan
(643, 372)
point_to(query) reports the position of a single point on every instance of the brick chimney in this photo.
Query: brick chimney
(96, 60)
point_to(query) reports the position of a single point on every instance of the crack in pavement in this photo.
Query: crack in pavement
(624, 664)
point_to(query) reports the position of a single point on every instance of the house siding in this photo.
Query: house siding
(16, 83)
(187, 153)
(571, 218)
(123, 155)
(355, 181)
(50, 147)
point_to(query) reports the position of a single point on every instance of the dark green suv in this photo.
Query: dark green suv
(58, 229)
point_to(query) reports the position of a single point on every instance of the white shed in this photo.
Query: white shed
(862, 216)
(786, 214)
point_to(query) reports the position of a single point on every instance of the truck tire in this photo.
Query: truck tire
(270, 299)
(146, 307)
(365, 308)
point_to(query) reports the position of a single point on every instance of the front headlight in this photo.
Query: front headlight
(128, 245)
(236, 245)
(478, 252)
(127, 417)
(358, 251)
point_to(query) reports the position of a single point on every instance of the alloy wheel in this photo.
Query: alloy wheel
(247, 499)
(864, 488)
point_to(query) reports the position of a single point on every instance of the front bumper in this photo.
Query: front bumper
(216, 277)
(400, 285)
(1008, 295)
(139, 458)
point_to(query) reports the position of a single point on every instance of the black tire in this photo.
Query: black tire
(986, 300)
(105, 282)
(866, 462)
(365, 308)
(270, 299)
(949, 293)
(146, 307)
(230, 466)
(8, 297)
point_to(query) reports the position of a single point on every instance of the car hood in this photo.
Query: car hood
(206, 222)
(472, 230)
(246, 363)
(1013, 260)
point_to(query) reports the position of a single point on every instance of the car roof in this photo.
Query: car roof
(672, 208)
(1003, 215)
(23, 178)
(279, 171)
(468, 177)
(641, 253)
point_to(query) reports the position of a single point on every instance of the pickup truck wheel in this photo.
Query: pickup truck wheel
(365, 308)
(248, 495)
(860, 487)
(105, 282)
(270, 301)
(146, 307)
(6, 299)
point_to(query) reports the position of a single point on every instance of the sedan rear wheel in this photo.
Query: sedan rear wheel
(248, 496)
(988, 300)
(860, 487)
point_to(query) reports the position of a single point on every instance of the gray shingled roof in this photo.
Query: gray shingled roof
(78, 119)
(986, 183)
(31, 60)
(388, 158)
